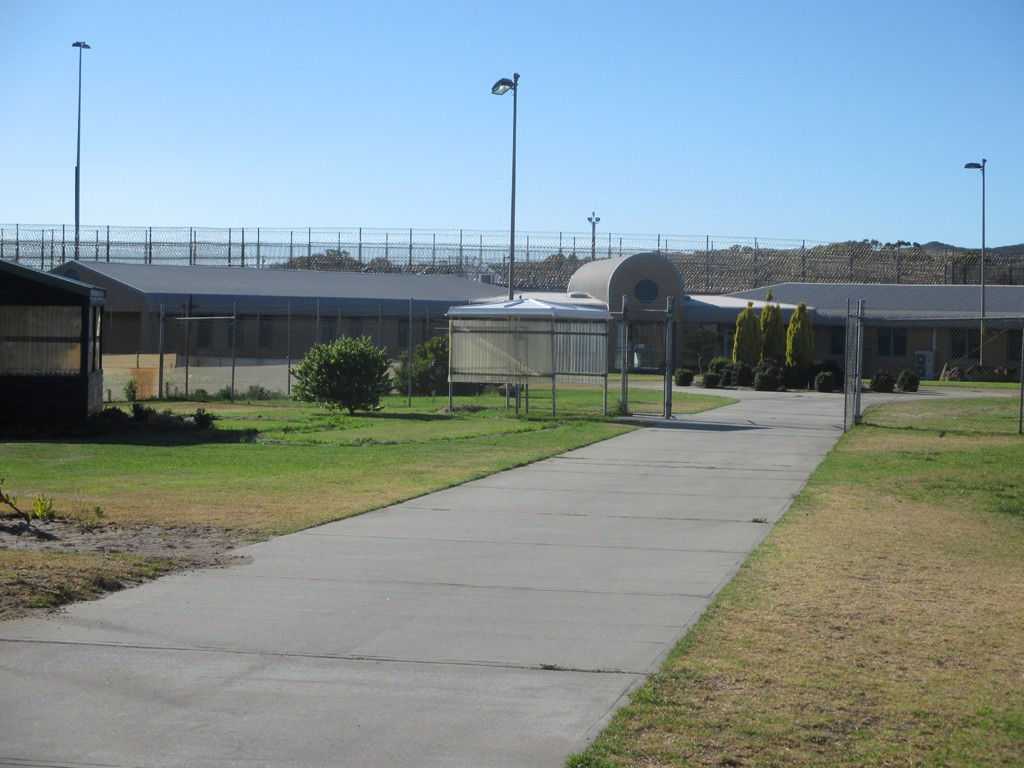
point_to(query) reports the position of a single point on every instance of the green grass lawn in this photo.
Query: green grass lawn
(266, 469)
(880, 623)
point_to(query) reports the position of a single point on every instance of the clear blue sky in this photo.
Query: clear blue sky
(818, 119)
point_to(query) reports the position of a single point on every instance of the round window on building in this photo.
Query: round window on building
(646, 291)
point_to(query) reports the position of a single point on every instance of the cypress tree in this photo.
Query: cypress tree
(773, 332)
(800, 340)
(746, 346)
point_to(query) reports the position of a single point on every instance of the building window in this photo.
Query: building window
(837, 340)
(37, 340)
(1013, 339)
(891, 342)
(266, 332)
(965, 344)
(646, 291)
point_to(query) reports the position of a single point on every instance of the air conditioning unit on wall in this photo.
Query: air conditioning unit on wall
(924, 364)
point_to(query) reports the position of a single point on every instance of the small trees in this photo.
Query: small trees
(773, 332)
(800, 343)
(429, 368)
(746, 347)
(345, 373)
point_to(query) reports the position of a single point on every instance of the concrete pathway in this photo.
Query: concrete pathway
(499, 623)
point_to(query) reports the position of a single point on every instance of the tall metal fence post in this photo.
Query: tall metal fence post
(409, 351)
(288, 352)
(860, 361)
(234, 347)
(160, 335)
(669, 353)
(624, 388)
(1020, 405)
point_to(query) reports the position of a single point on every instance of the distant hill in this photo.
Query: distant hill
(1003, 250)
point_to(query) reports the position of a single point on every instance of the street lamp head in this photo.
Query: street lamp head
(977, 166)
(80, 45)
(505, 85)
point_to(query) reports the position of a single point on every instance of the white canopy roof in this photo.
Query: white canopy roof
(530, 308)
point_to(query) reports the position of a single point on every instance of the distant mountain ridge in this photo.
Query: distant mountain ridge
(1003, 250)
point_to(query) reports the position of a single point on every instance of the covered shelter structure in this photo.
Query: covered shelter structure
(529, 341)
(51, 369)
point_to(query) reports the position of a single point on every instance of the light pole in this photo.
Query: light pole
(78, 153)
(981, 343)
(499, 88)
(593, 218)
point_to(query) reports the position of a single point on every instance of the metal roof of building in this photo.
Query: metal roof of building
(222, 286)
(56, 282)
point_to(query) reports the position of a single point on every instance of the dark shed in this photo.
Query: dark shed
(50, 361)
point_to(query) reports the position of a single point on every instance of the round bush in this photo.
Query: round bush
(683, 377)
(908, 381)
(711, 380)
(768, 375)
(345, 373)
(882, 381)
(743, 375)
(825, 382)
(765, 381)
(723, 368)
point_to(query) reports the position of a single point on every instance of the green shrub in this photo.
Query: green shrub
(131, 391)
(882, 381)
(721, 367)
(429, 370)
(746, 345)
(42, 508)
(773, 332)
(683, 377)
(825, 381)
(202, 419)
(345, 373)
(711, 380)
(796, 377)
(259, 392)
(800, 339)
(743, 375)
(769, 375)
(908, 381)
(224, 393)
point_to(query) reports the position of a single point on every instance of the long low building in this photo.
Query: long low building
(922, 327)
(217, 312)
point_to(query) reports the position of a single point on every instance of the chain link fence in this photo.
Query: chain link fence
(542, 261)
(979, 387)
(226, 354)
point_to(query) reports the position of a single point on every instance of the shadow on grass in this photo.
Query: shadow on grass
(141, 436)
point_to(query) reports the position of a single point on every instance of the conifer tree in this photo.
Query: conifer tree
(773, 332)
(800, 340)
(746, 346)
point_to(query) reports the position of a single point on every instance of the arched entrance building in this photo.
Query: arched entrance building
(645, 284)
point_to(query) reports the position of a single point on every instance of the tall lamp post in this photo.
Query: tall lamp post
(78, 153)
(498, 89)
(593, 218)
(981, 342)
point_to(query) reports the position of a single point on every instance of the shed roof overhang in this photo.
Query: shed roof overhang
(530, 308)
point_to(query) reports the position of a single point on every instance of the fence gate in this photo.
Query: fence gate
(643, 357)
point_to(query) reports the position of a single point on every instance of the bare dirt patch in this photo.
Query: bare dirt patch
(40, 570)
